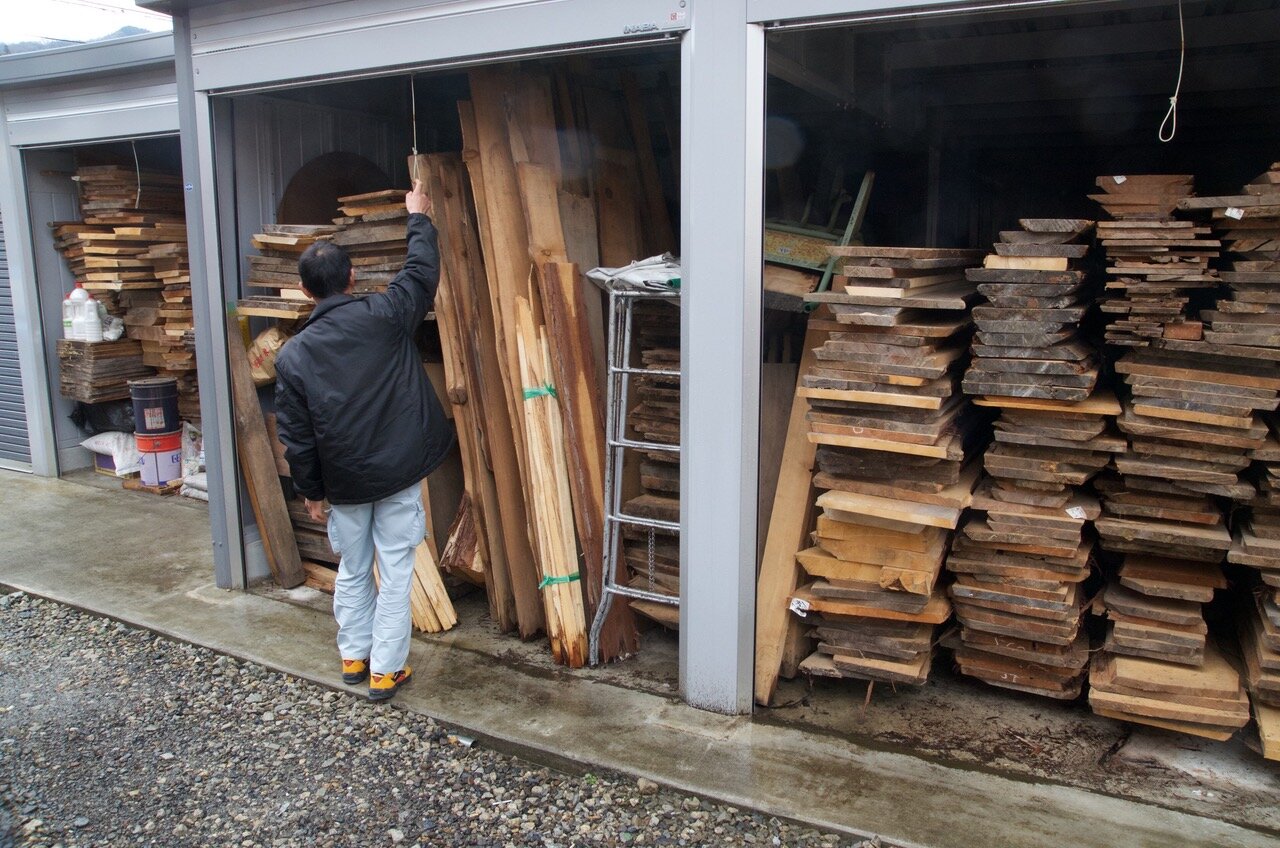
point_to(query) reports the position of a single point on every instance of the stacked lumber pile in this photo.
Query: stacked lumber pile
(372, 229)
(1156, 263)
(1154, 606)
(94, 372)
(131, 252)
(1207, 700)
(1020, 568)
(1259, 626)
(275, 267)
(1246, 322)
(1028, 342)
(1021, 558)
(653, 555)
(118, 194)
(895, 468)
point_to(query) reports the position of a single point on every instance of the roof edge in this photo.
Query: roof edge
(118, 54)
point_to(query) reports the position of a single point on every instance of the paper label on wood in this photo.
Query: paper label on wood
(799, 606)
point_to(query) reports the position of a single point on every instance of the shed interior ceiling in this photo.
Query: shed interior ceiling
(1029, 103)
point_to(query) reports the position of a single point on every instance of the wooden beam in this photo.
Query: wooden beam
(257, 463)
(793, 499)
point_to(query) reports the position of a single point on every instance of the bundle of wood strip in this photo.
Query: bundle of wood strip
(1155, 263)
(895, 468)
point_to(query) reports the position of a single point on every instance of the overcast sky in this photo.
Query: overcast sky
(73, 20)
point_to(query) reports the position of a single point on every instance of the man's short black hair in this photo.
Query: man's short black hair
(325, 269)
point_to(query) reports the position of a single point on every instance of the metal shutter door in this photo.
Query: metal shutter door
(14, 447)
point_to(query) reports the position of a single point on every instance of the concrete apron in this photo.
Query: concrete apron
(146, 561)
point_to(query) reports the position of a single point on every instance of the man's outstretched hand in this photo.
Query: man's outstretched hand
(418, 200)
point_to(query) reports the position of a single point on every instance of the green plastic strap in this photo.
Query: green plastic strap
(540, 391)
(551, 581)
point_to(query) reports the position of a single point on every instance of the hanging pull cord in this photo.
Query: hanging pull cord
(1170, 121)
(413, 111)
(137, 173)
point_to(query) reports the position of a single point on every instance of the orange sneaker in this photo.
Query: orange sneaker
(383, 686)
(354, 671)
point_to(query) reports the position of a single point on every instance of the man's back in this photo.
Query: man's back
(352, 378)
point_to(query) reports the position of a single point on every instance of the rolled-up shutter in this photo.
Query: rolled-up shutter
(14, 447)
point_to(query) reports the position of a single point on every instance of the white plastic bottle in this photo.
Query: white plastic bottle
(92, 320)
(77, 297)
(68, 313)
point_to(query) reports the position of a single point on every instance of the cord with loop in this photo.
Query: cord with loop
(1171, 117)
(413, 111)
(137, 173)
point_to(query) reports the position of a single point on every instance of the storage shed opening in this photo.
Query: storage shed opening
(110, 218)
(978, 133)
(539, 171)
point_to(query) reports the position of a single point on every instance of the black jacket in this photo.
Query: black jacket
(357, 416)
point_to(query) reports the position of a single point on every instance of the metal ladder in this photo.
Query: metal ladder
(622, 301)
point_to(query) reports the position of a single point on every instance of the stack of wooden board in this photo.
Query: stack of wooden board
(119, 194)
(1020, 568)
(653, 555)
(1259, 626)
(895, 467)
(1154, 607)
(372, 229)
(1155, 263)
(1207, 700)
(276, 267)
(1028, 342)
(1193, 418)
(1256, 530)
(1246, 321)
(94, 372)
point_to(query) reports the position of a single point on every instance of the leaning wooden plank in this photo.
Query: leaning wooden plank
(1268, 719)
(495, 184)
(788, 525)
(561, 583)
(257, 462)
(468, 337)
(582, 413)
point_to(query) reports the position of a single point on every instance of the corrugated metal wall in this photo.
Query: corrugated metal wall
(14, 447)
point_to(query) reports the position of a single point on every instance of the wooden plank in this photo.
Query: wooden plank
(788, 523)
(257, 462)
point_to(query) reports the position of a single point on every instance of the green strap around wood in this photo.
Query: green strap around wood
(551, 581)
(540, 391)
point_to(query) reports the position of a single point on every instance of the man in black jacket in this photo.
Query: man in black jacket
(362, 427)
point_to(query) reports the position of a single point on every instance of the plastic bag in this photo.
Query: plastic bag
(106, 417)
(192, 449)
(121, 447)
(262, 355)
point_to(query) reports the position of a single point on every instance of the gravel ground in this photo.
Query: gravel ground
(111, 735)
